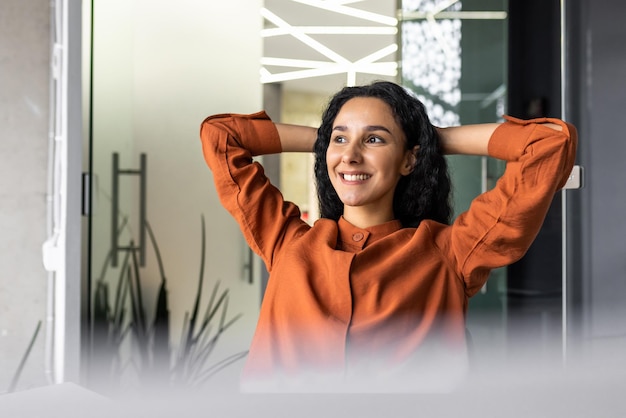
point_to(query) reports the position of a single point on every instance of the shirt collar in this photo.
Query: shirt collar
(353, 239)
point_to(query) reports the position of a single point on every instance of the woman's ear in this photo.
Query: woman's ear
(410, 160)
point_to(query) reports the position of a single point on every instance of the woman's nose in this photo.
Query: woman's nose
(351, 153)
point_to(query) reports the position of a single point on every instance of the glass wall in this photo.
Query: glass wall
(454, 56)
(172, 294)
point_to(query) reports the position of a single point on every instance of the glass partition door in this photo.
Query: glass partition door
(172, 296)
(454, 57)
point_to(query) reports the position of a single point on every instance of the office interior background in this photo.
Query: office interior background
(104, 191)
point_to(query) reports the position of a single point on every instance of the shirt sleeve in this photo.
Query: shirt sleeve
(228, 143)
(501, 224)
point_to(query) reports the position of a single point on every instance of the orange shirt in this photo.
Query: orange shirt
(343, 301)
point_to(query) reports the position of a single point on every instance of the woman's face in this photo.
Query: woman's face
(367, 155)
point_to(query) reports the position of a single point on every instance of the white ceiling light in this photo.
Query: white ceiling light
(332, 30)
(304, 38)
(290, 65)
(350, 11)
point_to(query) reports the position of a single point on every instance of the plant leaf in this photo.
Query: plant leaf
(196, 306)
(20, 367)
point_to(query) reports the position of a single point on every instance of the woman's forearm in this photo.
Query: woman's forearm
(467, 139)
(472, 139)
(296, 138)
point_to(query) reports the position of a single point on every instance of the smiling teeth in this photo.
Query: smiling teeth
(355, 177)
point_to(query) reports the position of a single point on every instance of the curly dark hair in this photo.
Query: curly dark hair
(423, 194)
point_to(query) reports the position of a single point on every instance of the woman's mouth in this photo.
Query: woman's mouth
(355, 177)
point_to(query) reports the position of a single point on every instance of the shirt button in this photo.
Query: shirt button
(358, 236)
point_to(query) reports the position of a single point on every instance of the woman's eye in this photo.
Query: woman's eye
(375, 140)
(339, 139)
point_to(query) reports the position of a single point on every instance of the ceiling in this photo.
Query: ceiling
(293, 32)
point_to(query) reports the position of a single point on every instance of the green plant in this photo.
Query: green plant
(198, 336)
(152, 358)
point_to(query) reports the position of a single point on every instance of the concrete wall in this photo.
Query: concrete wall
(24, 94)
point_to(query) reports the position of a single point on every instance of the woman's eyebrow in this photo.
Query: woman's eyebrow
(369, 128)
(377, 128)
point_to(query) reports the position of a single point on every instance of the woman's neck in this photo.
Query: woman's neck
(363, 217)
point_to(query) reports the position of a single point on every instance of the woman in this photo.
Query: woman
(374, 295)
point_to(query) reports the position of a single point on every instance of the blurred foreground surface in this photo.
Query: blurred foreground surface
(525, 390)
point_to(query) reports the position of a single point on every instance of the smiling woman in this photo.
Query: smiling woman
(366, 157)
(423, 185)
(373, 296)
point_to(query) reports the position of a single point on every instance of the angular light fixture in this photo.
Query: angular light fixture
(295, 68)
